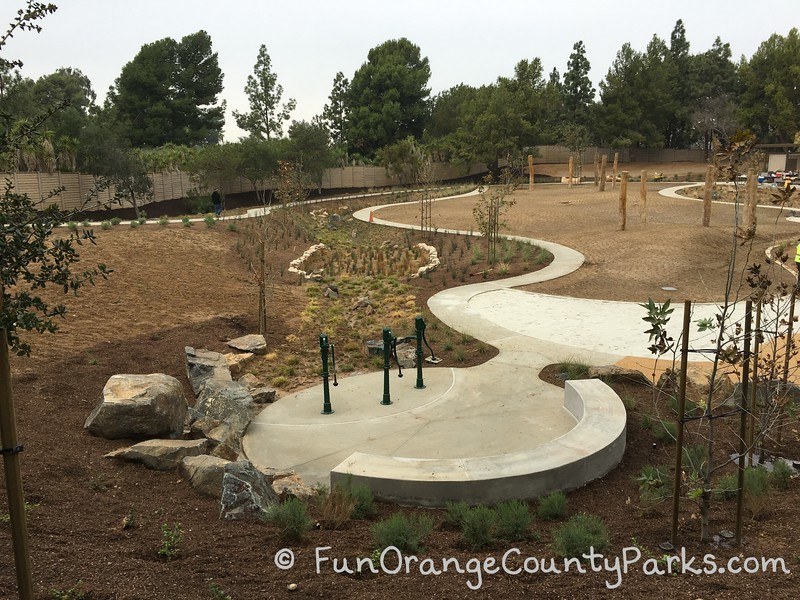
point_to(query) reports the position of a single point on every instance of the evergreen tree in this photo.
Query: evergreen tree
(334, 115)
(577, 89)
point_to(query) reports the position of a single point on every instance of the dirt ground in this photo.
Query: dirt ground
(179, 286)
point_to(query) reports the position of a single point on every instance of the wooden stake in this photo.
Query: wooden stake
(750, 215)
(643, 198)
(571, 170)
(596, 168)
(748, 322)
(707, 193)
(623, 200)
(603, 173)
(676, 493)
(16, 498)
(530, 172)
(614, 176)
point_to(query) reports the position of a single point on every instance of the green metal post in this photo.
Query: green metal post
(419, 325)
(326, 392)
(387, 351)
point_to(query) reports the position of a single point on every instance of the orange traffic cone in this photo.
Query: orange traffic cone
(370, 216)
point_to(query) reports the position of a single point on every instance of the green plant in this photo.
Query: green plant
(336, 507)
(363, 500)
(573, 369)
(217, 593)
(454, 514)
(402, 532)
(477, 530)
(553, 506)
(665, 432)
(85, 223)
(781, 475)
(142, 220)
(580, 534)
(163, 221)
(727, 487)
(654, 483)
(694, 459)
(72, 226)
(291, 518)
(105, 225)
(460, 355)
(98, 483)
(187, 222)
(756, 488)
(73, 593)
(135, 224)
(513, 520)
(232, 226)
(171, 540)
(116, 220)
(209, 221)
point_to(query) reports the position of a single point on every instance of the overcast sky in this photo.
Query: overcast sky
(469, 41)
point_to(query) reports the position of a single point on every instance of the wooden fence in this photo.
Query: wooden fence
(79, 191)
(560, 154)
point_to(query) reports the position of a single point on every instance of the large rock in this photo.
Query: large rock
(246, 493)
(407, 355)
(203, 365)
(161, 455)
(204, 473)
(250, 381)
(254, 343)
(227, 401)
(618, 374)
(292, 485)
(139, 406)
(237, 361)
(264, 395)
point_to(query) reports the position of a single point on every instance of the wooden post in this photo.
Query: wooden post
(16, 498)
(571, 170)
(643, 197)
(752, 198)
(707, 193)
(603, 173)
(676, 493)
(530, 172)
(596, 168)
(623, 200)
(614, 172)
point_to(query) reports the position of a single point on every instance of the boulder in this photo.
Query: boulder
(226, 452)
(250, 381)
(203, 365)
(204, 473)
(227, 401)
(201, 427)
(139, 406)
(407, 355)
(223, 434)
(161, 455)
(618, 374)
(236, 362)
(292, 485)
(246, 494)
(254, 343)
(264, 395)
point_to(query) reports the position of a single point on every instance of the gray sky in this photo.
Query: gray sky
(469, 41)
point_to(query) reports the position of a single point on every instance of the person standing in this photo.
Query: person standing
(217, 201)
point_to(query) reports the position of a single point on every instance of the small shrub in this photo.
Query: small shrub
(756, 491)
(163, 221)
(402, 532)
(727, 487)
(116, 221)
(336, 508)
(72, 226)
(454, 514)
(513, 520)
(209, 221)
(217, 593)
(573, 369)
(171, 540)
(460, 355)
(232, 226)
(281, 380)
(580, 534)
(363, 502)
(694, 459)
(73, 593)
(85, 223)
(105, 225)
(655, 484)
(187, 222)
(134, 224)
(142, 220)
(477, 530)
(553, 506)
(665, 432)
(781, 475)
(291, 518)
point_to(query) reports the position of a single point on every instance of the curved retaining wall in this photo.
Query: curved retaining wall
(588, 451)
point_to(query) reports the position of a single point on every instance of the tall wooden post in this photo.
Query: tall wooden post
(603, 163)
(707, 193)
(752, 200)
(11, 449)
(571, 170)
(623, 201)
(530, 172)
(614, 172)
(596, 168)
(643, 197)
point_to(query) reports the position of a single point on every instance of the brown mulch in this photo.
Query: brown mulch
(175, 287)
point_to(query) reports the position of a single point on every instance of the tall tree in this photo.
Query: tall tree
(310, 149)
(577, 89)
(266, 116)
(388, 97)
(334, 114)
(770, 102)
(168, 94)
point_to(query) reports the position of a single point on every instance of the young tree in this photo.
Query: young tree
(388, 97)
(310, 148)
(334, 115)
(266, 116)
(168, 94)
